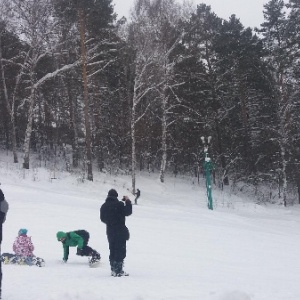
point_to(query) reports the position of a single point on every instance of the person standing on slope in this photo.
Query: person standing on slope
(113, 213)
(3, 212)
(79, 238)
(138, 194)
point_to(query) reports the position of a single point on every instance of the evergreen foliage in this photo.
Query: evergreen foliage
(150, 87)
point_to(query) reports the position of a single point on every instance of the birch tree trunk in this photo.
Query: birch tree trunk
(140, 90)
(29, 124)
(133, 144)
(284, 119)
(86, 96)
(10, 109)
(163, 141)
(75, 146)
(166, 86)
(283, 171)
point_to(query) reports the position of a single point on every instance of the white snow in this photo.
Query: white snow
(178, 249)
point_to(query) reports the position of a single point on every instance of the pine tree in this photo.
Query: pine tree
(92, 18)
(275, 38)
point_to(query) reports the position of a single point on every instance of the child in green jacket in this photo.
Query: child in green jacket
(79, 238)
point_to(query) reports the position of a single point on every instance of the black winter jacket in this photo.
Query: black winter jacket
(113, 213)
(3, 211)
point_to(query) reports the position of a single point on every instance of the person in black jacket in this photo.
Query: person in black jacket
(138, 194)
(113, 213)
(3, 212)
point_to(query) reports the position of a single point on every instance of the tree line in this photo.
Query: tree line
(139, 94)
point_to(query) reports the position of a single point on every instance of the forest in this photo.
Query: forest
(101, 93)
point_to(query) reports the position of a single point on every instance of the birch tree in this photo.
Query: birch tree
(142, 39)
(12, 46)
(166, 21)
(33, 23)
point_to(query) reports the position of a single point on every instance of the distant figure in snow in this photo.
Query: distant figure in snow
(113, 213)
(3, 212)
(79, 238)
(138, 194)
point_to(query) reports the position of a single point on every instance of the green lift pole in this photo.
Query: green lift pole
(208, 168)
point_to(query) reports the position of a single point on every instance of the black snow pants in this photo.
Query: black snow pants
(117, 247)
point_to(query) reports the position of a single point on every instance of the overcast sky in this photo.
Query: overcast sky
(250, 12)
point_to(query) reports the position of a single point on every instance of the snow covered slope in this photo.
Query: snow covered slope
(178, 250)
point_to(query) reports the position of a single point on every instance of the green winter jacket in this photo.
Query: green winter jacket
(72, 240)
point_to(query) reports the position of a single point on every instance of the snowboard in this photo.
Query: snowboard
(94, 263)
(94, 260)
(12, 259)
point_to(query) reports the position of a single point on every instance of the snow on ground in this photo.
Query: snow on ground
(178, 249)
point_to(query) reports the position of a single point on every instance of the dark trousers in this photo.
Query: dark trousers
(0, 260)
(86, 250)
(117, 248)
(0, 275)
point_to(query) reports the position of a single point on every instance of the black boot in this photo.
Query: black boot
(113, 268)
(95, 257)
(119, 269)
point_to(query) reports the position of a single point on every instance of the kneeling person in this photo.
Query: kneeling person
(79, 238)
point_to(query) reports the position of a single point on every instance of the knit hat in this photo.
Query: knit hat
(112, 193)
(22, 231)
(60, 235)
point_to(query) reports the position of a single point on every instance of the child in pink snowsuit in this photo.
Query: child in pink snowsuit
(23, 245)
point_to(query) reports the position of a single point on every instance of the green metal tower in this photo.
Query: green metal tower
(208, 167)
